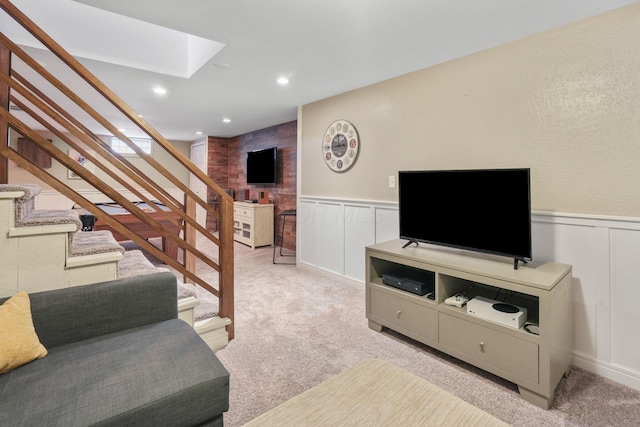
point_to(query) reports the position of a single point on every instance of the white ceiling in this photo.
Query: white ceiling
(325, 47)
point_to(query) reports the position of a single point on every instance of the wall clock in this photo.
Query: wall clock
(340, 146)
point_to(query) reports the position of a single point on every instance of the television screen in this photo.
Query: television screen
(484, 210)
(262, 166)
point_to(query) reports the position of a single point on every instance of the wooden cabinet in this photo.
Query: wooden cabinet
(536, 363)
(253, 224)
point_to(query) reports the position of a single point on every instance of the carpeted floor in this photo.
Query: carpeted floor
(295, 329)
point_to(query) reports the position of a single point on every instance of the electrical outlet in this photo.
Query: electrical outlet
(392, 181)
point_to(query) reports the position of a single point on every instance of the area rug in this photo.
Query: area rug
(375, 393)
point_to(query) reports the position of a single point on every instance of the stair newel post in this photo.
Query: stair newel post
(189, 237)
(226, 263)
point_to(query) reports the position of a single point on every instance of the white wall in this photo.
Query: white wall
(18, 175)
(563, 103)
(604, 253)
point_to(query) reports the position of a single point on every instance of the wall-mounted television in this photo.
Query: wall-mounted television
(483, 210)
(262, 166)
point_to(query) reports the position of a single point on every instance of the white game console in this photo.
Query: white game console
(497, 311)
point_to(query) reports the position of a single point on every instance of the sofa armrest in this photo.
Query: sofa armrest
(63, 316)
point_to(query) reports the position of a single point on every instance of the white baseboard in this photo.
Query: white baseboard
(614, 373)
(328, 274)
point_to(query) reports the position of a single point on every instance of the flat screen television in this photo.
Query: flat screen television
(483, 210)
(262, 166)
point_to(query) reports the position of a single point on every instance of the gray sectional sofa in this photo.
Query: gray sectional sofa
(117, 355)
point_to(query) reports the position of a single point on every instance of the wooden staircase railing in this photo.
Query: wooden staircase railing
(38, 103)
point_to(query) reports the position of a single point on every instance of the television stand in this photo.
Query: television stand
(536, 363)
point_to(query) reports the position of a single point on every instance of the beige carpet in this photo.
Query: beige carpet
(296, 329)
(375, 393)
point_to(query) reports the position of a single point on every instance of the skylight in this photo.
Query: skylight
(100, 35)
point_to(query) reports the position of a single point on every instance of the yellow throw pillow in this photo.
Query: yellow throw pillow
(19, 343)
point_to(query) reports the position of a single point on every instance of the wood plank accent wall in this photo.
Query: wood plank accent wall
(218, 162)
(228, 167)
(218, 170)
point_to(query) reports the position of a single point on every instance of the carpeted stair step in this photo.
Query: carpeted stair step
(208, 307)
(83, 243)
(43, 217)
(27, 216)
(134, 264)
(30, 192)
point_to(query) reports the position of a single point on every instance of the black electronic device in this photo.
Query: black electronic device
(505, 308)
(419, 282)
(262, 166)
(483, 210)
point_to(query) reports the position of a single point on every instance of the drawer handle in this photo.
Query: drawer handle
(398, 313)
(481, 344)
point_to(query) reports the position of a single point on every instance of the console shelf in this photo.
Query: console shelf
(536, 363)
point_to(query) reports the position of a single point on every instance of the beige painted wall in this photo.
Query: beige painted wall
(565, 103)
(20, 176)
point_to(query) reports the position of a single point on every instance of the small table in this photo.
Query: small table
(169, 219)
(282, 218)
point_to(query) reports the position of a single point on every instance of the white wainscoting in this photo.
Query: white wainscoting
(336, 232)
(604, 253)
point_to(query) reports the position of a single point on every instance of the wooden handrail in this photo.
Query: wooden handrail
(101, 120)
(116, 101)
(103, 151)
(69, 192)
(78, 136)
(85, 133)
(96, 182)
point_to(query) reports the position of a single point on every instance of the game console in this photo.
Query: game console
(419, 282)
(497, 311)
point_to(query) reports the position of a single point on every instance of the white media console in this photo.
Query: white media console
(536, 363)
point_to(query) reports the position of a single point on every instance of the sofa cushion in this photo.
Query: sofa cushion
(67, 315)
(19, 343)
(151, 375)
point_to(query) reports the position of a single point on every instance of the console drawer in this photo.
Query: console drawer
(499, 350)
(240, 211)
(403, 315)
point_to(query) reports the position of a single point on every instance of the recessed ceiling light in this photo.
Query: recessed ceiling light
(283, 81)
(225, 120)
(160, 90)
(198, 133)
(122, 130)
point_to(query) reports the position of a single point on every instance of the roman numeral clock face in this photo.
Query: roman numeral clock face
(340, 146)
